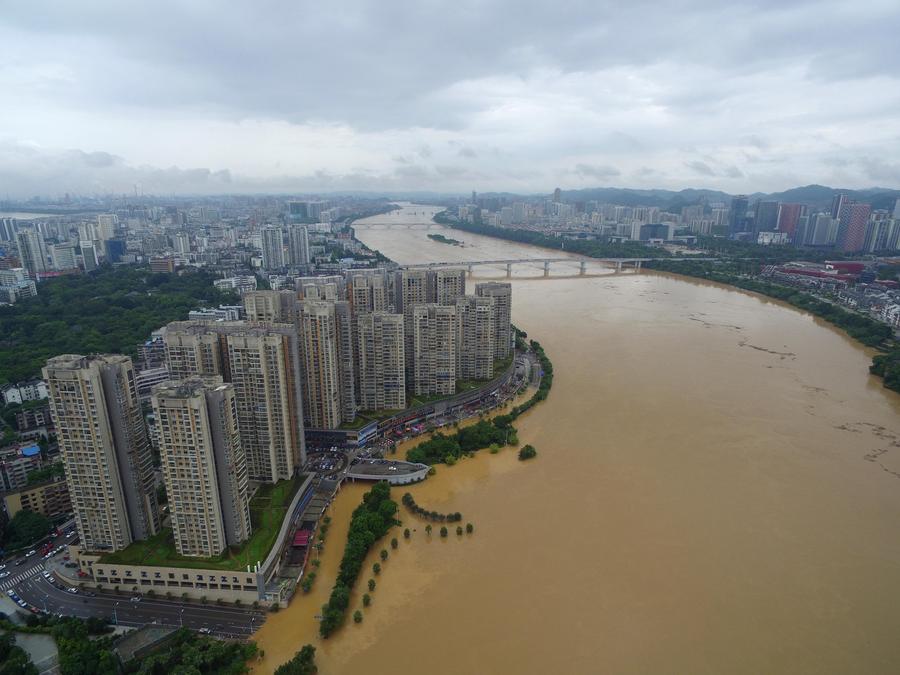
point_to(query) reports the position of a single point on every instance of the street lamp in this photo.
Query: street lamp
(116, 613)
(181, 616)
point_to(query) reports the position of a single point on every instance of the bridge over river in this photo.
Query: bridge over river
(618, 263)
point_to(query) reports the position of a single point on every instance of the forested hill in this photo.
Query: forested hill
(108, 311)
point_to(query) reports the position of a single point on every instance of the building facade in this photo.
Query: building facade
(104, 447)
(203, 464)
(381, 367)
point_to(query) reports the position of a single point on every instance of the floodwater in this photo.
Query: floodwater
(717, 490)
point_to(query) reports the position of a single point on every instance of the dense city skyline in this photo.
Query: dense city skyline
(317, 99)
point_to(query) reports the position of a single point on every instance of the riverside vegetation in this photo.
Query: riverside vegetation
(500, 431)
(590, 248)
(410, 503)
(371, 521)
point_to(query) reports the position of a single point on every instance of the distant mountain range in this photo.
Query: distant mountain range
(818, 196)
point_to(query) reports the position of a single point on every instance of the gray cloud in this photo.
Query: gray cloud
(702, 168)
(596, 171)
(354, 89)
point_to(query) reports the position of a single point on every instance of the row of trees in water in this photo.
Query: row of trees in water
(410, 503)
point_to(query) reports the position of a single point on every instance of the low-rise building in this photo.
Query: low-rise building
(50, 499)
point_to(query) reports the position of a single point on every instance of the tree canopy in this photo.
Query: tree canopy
(109, 311)
(25, 528)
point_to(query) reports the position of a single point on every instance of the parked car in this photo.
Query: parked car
(30, 553)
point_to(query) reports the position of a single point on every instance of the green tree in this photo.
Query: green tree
(376, 569)
(13, 659)
(527, 452)
(443, 531)
(366, 599)
(371, 585)
(26, 528)
(303, 663)
(428, 529)
(406, 533)
(357, 616)
(394, 543)
(470, 528)
(459, 530)
(383, 554)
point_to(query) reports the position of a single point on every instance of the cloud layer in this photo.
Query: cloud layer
(491, 95)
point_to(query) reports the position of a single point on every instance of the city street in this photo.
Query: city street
(52, 596)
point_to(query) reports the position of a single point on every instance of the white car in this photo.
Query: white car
(46, 574)
(4, 574)
(30, 553)
(2, 567)
(72, 590)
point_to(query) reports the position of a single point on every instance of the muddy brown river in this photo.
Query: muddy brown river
(717, 490)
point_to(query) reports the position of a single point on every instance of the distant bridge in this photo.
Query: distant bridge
(469, 265)
(398, 226)
(618, 263)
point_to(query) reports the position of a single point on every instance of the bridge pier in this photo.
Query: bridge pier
(618, 265)
(469, 270)
(508, 270)
(637, 265)
(583, 270)
(546, 269)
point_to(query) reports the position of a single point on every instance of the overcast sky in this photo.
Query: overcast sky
(219, 96)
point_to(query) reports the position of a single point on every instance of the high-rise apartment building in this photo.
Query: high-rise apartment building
(298, 245)
(203, 465)
(369, 291)
(321, 365)
(107, 224)
(181, 243)
(411, 288)
(475, 342)
(789, 218)
(273, 306)
(738, 217)
(837, 203)
(766, 219)
(434, 339)
(447, 285)
(263, 362)
(853, 219)
(63, 257)
(322, 288)
(272, 239)
(381, 366)
(501, 292)
(345, 334)
(32, 252)
(104, 447)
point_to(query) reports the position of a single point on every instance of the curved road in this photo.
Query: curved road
(52, 596)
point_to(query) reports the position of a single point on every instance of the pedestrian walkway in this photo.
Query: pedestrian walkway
(14, 579)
